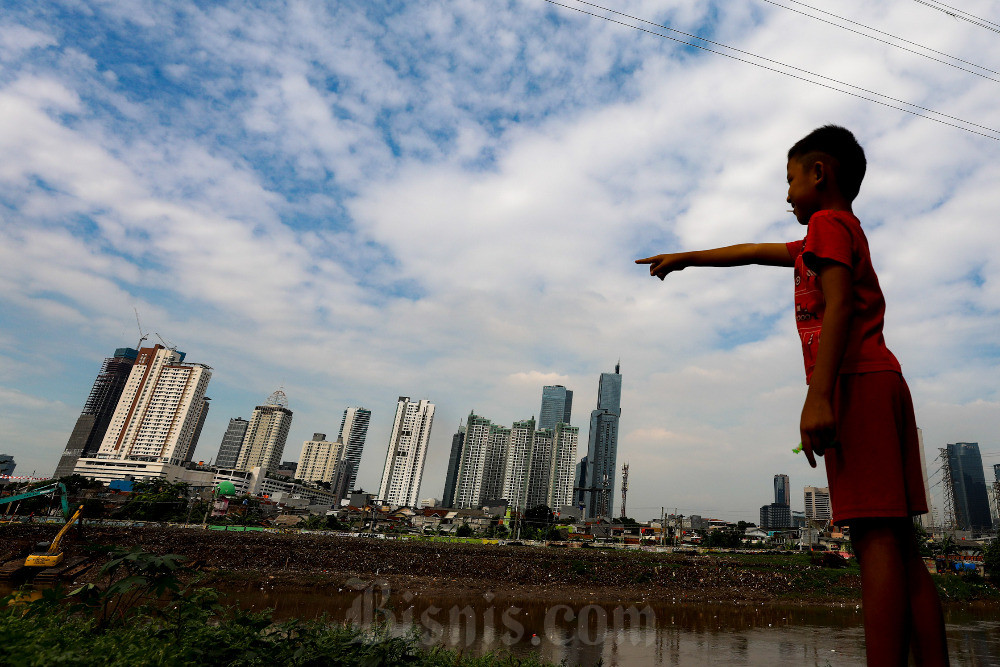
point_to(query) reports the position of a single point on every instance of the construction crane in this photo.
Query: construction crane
(50, 555)
(52, 489)
(142, 334)
(166, 343)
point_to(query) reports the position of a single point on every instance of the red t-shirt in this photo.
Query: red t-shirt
(837, 236)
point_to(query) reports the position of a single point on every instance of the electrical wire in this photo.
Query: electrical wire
(956, 13)
(885, 41)
(965, 124)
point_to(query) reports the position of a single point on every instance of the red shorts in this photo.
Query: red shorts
(876, 471)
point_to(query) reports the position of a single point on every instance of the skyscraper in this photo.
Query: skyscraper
(602, 450)
(93, 422)
(474, 446)
(206, 403)
(7, 466)
(968, 481)
(817, 501)
(404, 460)
(319, 458)
(158, 411)
(539, 468)
(517, 468)
(565, 441)
(353, 431)
(782, 492)
(267, 432)
(557, 406)
(232, 443)
(454, 464)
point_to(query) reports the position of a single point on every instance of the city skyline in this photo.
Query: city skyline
(362, 200)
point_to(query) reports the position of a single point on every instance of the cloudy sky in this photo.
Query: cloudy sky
(443, 200)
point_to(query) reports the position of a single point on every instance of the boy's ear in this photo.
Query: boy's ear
(819, 174)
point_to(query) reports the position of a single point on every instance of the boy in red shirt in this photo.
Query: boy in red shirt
(857, 410)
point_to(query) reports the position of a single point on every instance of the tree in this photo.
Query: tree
(465, 530)
(991, 560)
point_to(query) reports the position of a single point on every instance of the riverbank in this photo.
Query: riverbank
(314, 562)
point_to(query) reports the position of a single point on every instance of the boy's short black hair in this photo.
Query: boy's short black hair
(840, 144)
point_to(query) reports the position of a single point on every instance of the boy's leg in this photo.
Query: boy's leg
(883, 591)
(928, 640)
(898, 594)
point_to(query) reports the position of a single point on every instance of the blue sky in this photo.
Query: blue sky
(367, 200)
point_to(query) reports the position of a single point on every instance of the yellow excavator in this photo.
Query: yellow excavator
(50, 555)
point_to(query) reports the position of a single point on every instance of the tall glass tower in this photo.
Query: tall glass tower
(782, 492)
(972, 506)
(232, 443)
(353, 431)
(602, 450)
(557, 406)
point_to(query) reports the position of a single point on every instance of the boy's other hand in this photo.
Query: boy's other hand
(817, 427)
(661, 265)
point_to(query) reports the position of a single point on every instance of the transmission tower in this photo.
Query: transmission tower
(948, 494)
(624, 487)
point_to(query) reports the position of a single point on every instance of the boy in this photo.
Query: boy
(857, 409)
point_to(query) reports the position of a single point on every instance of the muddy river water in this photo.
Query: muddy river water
(637, 633)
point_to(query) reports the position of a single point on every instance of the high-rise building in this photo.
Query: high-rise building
(565, 441)
(557, 406)
(782, 492)
(996, 489)
(404, 460)
(267, 432)
(205, 405)
(319, 458)
(494, 466)
(474, 447)
(580, 479)
(7, 466)
(340, 484)
(817, 500)
(158, 411)
(602, 450)
(232, 443)
(92, 424)
(454, 465)
(537, 483)
(968, 482)
(517, 468)
(353, 431)
(775, 516)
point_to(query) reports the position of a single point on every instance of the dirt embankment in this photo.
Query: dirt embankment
(509, 572)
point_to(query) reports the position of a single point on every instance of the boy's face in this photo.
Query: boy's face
(803, 193)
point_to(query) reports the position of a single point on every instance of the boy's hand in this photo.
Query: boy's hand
(817, 427)
(661, 265)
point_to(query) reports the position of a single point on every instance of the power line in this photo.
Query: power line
(885, 41)
(965, 124)
(956, 13)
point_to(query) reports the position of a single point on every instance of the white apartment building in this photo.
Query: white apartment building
(404, 460)
(515, 478)
(562, 466)
(157, 416)
(818, 503)
(470, 471)
(319, 458)
(264, 442)
(537, 485)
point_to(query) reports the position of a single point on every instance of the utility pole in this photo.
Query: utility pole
(663, 524)
(624, 488)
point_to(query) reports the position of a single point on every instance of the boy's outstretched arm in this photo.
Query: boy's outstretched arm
(769, 254)
(817, 425)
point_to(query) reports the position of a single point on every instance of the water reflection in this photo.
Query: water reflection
(582, 632)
